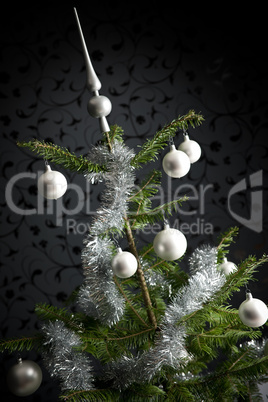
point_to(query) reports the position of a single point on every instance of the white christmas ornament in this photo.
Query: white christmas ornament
(52, 184)
(227, 267)
(176, 163)
(253, 312)
(24, 378)
(124, 264)
(191, 148)
(170, 244)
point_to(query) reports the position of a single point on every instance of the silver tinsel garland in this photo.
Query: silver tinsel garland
(205, 281)
(71, 367)
(119, 179)
(203, 258)
(99, 297)
(259, 346)
(169, 348)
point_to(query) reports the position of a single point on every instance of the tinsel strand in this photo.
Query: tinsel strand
(99, 296)
(73, 368)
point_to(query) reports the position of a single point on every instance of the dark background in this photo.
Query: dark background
(155, 62)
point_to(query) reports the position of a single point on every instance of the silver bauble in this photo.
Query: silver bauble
(170, 244)
(24, 378)
(227, 267)
(124, 264)
(191, 148)
(52, 184)
(176, 163)
(253, 312)
(99, 106)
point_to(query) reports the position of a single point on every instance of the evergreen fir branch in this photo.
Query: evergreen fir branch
(231, 377)
(143, 392)
(23, 343)
(209, 342)
(116, 133)
(151, 148)
(47, 312)
(240, 278)
(225, 241)
(108, 344)
(176, 277)
(121, 337)
(151, 216)
(94, 395)
(140, 201)
(245, 367)
(61, 156)
(170, 270)
(104, 351)
(130, 335)
(223, 315)
(148, 187)
(129, 302)
(214, 315)
(180, 392)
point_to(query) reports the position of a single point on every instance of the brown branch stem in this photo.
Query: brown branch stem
(128, 301)
(108, 141)
(140, 275)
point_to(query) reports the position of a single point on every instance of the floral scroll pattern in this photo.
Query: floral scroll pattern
(153, 67)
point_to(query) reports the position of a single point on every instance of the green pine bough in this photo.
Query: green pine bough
(213, 332)
(61, 156)
(149, 151)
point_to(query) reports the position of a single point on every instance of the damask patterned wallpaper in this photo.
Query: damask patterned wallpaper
(154, 63)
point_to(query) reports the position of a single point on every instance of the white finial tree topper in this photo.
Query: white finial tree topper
(99, 106)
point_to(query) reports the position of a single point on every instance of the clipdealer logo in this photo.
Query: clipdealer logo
(254, 222)
(82, 202)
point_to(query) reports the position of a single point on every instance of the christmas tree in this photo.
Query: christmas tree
(153, 332)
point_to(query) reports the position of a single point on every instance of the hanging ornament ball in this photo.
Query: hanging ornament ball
(99, 106)
(124, 264)
(253, 312)
(191, 148)
(227, 267)
(170, 244)
(176, 163)
(24, 378)
(52, 184)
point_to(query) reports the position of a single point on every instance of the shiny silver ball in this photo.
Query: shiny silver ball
(227, 267)
(253, 312)
(99, 106)
(191, 148)
(124, 264)
(24, 378)
(52, 184)
(176, 163)
(170, 244)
